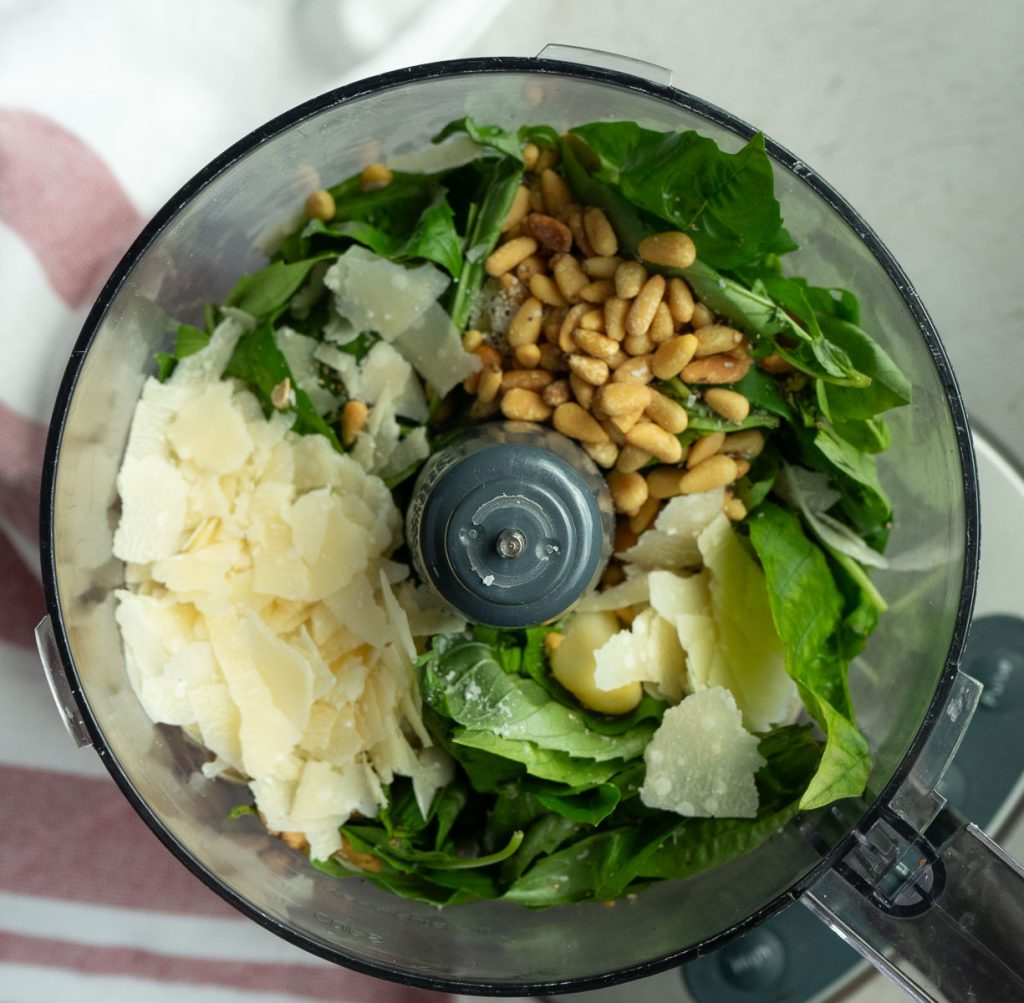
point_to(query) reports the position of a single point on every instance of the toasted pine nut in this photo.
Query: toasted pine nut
(638, 344)
(702, 316)
(571, 420)
(489, 384)
(635, 370)
(655, 440)
(552, 358)
(646, 515)
(672, 249)
(626, 615)
(615, 310)
(518, 210)
(555, 191)
(642, 311)
(725, 367)
(536, 199)
(488, 355)
(529, 267)
(604, 454)
(546, 160)
(513, 291)
(595, 344)
(623, 398)
(714, 472)
(320, 205)
(735, 509)
(570, 322)
(524, 405)
(581, 390)
(353, 417)
(742, 468)
(281, 395)
(373, 177)
(524, 327)
(663, 482)
(481, 410)
(747, 443)
(715, 338)
(593, 320)
(624, 422)
(630, 277)
(543, 288)
(599, 232)
(556, 393)
(775, 363)
(586, 367)
(673, 355)
(551, 234)
(569, 276)
(598, 291)
(624, 537)
(705, 446)
(669, 414)
(632, 458)
(509, 254)
(680, 300)
(528, 356)
(553, 640)
(629, 491)
(613, 431)
(728, 403)
(573, 218)
(525, 379)
(617, 359)
(599, 267)
(662, 327)
(530, 155)
(614, 574)
(472, 340)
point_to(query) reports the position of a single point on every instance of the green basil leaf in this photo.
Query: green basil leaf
(265, 294)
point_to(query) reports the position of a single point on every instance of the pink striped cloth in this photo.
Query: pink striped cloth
(105, 109)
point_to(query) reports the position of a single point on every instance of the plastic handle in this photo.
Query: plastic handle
(924, 894)
(608, 61)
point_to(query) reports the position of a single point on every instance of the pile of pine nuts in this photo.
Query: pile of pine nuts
(591, 331)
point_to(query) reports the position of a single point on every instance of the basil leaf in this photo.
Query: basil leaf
(189, 340)
(265, 294)
(543, 837)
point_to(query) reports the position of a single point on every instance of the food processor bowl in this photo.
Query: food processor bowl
(191, 253)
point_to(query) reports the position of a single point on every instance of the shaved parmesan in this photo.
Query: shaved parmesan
(154, 507)
(631, 592)
(299, 352)
(384, 368)
(648, 652)
(701, 762)
(672, 541)
(573, 664)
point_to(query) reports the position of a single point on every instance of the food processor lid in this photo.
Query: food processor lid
(510, 535)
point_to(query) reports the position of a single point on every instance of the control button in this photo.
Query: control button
(754, 962)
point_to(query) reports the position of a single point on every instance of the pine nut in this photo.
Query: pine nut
(624, 422)
(617, 359)
(669, 414)
(742, 468)
(506, 257)
(553, 640)
(569, 276)
(525, 379)
(518, 210)
(671, 250)
(488, 355)
(655, 440)
(702, 316)
(543, 288)
(573, 218)
(530, 155)
(604, 454)
(624, 537)
(598, 291)
(556, 393)
(704, 447)
(735, 509)
(353, 417)
(551, 234)
(373, 177)
(555, 191)
(729, 404)
(623, 398)
(524, 328)
(595, 344)
(714, 472)
(628, 491)
(630, 277)
(513, 291)
(775, 363)
(472, 340)
(490, 384)
(715, 338)
(581, 390)
(746, 444)
(662, 327)
(632, 458)
(613, 431)
(572, 420)
(528, 356)
(570, 322)
(680, 300)
(552, 358)
(614, 574)
(638, 344)
(635, 370)
(536, 199)
(524, 405)
(642, 311)
(646, 515)
(663, 482)
(726, 367)
(593, 320)
(594, 371)
(615, 310)
(599, 267)
(673, 355)
(320, 205)
(546, 160)
(599, 232)
(482, 410)
(526, 270)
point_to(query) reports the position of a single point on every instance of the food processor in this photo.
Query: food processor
(896, 874)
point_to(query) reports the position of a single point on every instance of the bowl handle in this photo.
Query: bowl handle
(924, 894)
(607, 61)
